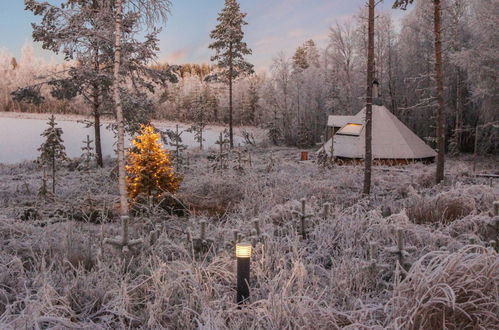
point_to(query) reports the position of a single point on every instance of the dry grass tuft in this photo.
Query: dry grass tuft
(449, 291)
(441, 209)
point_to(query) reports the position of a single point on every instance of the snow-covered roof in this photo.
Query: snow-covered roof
(339, 121)
(391, 139)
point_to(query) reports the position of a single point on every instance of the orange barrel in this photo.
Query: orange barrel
(304, 155)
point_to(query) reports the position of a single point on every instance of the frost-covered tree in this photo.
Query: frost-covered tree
(52, 149)
(82, 32)
(230, 50)
(439, 80)
(479, 61)
(344, 59)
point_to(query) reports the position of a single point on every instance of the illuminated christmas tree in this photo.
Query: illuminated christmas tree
(149, 170)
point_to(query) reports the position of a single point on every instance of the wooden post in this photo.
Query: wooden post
(203, 230)
(123, 242)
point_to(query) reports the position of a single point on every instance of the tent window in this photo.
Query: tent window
(350, 129)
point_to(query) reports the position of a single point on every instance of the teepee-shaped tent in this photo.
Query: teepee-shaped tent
(391, 139)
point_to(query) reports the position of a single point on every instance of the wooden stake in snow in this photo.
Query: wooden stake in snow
(303, 217)
(325, 211)
(201, 244)
(123, 242)
(401, 251)
(494, 226)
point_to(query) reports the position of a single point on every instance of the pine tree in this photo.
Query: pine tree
(300, 59)
(230, 50)
(149, 168)
(52, 150)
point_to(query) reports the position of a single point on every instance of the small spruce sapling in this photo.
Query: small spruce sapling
(174, 139)
(199, 123)
(52, 150)
(87, 152)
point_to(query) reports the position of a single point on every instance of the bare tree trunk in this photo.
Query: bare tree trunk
(231, 132)
(369, 102)
(96, 103)
(475, 149)
(98, 145)
(459, 106)
(96, 106)
(53, 174)
(440, 92)
(119, 110)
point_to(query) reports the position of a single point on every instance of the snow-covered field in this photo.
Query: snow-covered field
(55, 272)
(20, 135)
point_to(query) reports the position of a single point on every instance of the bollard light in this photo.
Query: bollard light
(243, 255)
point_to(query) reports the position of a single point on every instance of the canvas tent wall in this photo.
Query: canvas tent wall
(391, 139)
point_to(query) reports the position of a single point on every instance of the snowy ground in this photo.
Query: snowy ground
(16, 147)
(56, 273)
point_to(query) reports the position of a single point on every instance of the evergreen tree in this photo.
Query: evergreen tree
(300, 59)
(251, 102)
(173, 138)
(230, 50)
(87, 152)
(13, 63)
(52, 150)
(149, 168)
(199, 120)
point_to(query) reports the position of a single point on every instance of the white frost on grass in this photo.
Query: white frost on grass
(343, 276)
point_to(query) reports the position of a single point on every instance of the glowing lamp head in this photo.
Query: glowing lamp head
(243, 250)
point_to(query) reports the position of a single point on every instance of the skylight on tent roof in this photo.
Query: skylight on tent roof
(351, 129)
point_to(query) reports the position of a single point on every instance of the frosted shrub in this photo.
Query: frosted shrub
(449, 290)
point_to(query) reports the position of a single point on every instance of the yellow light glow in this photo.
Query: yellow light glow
(243, 250)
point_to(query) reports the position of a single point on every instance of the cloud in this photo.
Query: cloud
(175, 57)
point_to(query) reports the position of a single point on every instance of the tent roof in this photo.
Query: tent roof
(339, 121)
(391, 139)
